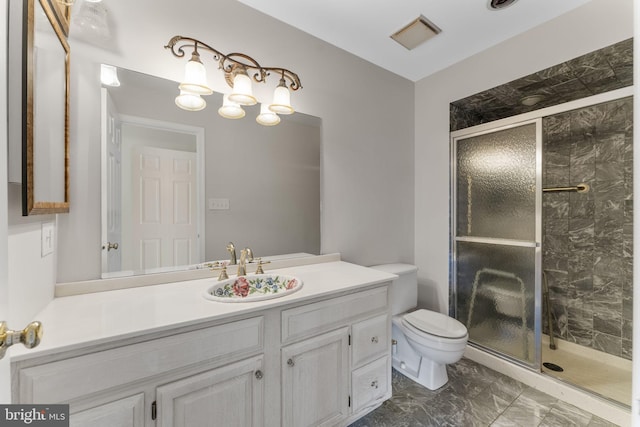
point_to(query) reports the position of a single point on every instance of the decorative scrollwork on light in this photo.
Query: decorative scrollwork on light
(233, 62)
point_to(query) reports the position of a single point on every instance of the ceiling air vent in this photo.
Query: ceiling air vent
(500, 4)
(417, 32)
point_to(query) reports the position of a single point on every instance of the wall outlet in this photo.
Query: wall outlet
(47, 238)
(218, 204)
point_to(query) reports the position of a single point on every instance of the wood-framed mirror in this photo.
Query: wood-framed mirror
(45, 150)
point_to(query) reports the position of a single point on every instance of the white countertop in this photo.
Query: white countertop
(79, 321)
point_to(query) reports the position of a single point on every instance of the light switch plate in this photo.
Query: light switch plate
(47, 238)
(218, 204)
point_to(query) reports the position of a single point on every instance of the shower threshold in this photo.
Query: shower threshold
(599, 373)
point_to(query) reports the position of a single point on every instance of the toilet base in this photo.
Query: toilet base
(429, 374)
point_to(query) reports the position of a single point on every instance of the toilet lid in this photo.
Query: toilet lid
(435, 323)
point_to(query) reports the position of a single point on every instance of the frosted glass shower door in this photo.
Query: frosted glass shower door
(496, 239)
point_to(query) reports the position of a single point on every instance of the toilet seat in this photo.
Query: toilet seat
(436, 324)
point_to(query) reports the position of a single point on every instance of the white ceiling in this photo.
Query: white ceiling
(364, 27)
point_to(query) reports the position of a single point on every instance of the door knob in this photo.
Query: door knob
(29, 336)
(110, 246)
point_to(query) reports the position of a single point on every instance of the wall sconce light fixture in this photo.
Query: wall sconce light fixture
(236, 68)
(109, 75)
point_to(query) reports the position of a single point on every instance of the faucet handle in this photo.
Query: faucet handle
(223, 272)
(259, 269)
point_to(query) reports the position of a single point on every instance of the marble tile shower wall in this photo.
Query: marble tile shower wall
(587, 237)
(596, 72)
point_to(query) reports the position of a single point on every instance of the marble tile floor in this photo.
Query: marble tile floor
(474, 396)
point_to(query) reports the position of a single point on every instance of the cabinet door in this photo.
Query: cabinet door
(127, 412)
(232, 395)
(315, 380)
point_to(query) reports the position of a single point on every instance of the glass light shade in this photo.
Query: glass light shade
(267, 117)
(230, 109)
(190, 101)
(242, 92)
(109, 75)
(281, 101)
(195, 78)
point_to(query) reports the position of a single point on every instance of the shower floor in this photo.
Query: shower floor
(603, 374)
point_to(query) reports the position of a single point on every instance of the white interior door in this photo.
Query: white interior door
(165, 229)
(111, 186)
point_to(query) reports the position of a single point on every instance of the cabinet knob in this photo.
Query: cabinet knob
(374, 340)
(259, 374)
(374, 384)
(290, 362)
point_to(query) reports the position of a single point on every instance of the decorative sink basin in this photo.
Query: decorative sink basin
(255, 287)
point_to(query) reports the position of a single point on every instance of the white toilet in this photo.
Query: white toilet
(424, 341)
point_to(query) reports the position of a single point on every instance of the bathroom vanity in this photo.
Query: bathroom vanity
(164, 355)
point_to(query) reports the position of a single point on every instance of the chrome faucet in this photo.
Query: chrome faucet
(242, 269)
(232, 250)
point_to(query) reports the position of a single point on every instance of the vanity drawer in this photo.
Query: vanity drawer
(80, 376)
(371, 384)
(323, 316)
(370, 339)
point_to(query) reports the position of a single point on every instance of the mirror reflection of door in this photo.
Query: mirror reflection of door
(112, 193)
(164, 229)
(158, 196)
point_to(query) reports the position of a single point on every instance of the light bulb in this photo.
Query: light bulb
(242, 92)
(190, 101)
(230, 109)
(109, 75)
(195, 77)
(267, 117)
(281, 100)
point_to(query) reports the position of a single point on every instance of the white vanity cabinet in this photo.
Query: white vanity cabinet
(321, 361)
(232, 395)
(337, 367)
(137, 384)
(125, 412)
(371, 362)
(315, 380)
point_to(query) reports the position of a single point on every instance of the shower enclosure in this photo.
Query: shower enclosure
(546, 199)
(497, 239)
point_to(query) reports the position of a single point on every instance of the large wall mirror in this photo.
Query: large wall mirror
(252, 185)
(45, 158)
(178, 186)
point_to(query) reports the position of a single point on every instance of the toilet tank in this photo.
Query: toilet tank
(404, 290)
